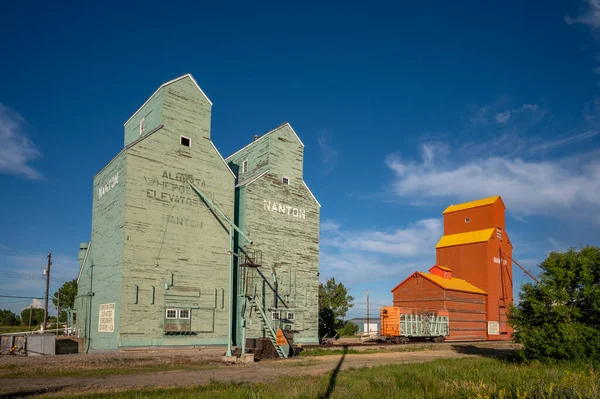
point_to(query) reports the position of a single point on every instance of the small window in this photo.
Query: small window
(290, 316)
(184, 314)
(467, 220)
(275, 315)
(245, 166)
(171, 313)
(142, 125)
(285, 180)
(186, 141)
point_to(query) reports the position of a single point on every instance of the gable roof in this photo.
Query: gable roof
(452, 284)
(187, 75)
(267, 134)
(470, 237)
(473, 204)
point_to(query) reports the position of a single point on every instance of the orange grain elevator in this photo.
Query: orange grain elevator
(474, 247)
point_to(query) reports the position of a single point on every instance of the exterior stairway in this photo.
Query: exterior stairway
(283, 350)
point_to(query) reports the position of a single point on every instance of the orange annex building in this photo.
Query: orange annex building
(472, 277)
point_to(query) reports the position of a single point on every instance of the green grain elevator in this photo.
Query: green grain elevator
(185, 245)
(278, 274)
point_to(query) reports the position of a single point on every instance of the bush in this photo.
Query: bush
(559, 318)
(347, 329)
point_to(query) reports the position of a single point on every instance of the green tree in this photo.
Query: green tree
(334, 303)
(348, 329)
(559, 318)
(8, 318)
(37, 316)
(66, 294)
(335, 296)
(326, 323)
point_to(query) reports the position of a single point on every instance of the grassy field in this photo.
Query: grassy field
(12, 329)
(456, 378)
(350, 351)
(18, 371)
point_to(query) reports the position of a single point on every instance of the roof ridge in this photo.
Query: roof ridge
(473, 204)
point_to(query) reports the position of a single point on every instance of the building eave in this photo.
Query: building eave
(266, 135)
(128, 146)
(187, 75)
(311, 193)
(221, 157)
(252, 180)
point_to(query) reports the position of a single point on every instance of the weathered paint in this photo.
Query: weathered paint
(288, 239)
(155, 244)
(102, 275)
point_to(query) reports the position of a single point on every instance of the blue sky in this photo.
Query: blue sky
(403, 108)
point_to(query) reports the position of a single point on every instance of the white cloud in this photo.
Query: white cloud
(414, 240)
(375, 255)
(330, 225)
(591, 16)
(36, 303)
(565, 140)
(503, 117)
(563, 188)
(329, 156)
(480, 115)
(16, 149)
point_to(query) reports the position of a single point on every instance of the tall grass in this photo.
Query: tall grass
(334, 351)
(455, 378)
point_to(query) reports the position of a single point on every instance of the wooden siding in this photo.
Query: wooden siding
(152, 112)
(291, 246)
(466, 311)
(157, 245)
(103, 271)
(176, 248)
(283, 222)
(257, 156)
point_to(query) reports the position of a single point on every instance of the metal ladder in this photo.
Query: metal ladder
(283, 350)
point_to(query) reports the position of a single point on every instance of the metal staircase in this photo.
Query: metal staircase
(283, 350)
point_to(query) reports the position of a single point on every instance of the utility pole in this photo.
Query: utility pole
(57, 311)
(30, 312)
(368, 316)
(47, 273)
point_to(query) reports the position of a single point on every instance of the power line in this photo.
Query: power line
(13, 302)
(23, 297)
(25, 276)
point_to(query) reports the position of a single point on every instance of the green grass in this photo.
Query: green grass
(13, 329)
(327, 352)
(456, 378)
(17, 371)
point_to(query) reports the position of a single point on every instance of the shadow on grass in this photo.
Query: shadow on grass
(333, 377)
(31, 392)
(507, 354)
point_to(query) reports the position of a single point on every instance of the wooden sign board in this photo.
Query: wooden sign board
(280, 338)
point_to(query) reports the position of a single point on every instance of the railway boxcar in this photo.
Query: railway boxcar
(399, 324)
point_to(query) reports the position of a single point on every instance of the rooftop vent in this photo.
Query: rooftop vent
(256, 137)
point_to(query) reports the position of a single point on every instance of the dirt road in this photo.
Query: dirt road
(261, 371)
